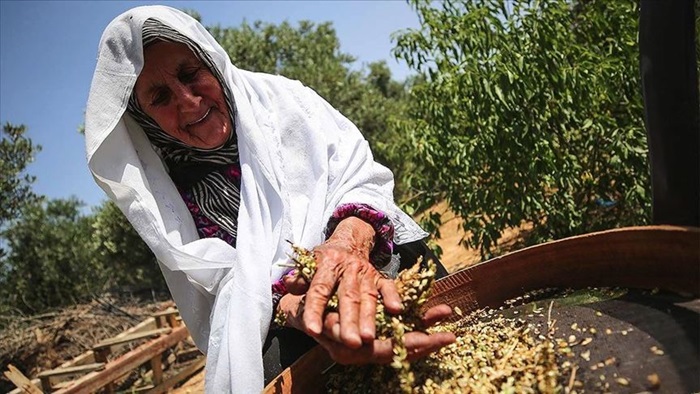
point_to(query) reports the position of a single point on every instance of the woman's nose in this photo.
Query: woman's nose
(187, 100)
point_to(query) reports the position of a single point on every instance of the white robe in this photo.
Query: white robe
(299, 157)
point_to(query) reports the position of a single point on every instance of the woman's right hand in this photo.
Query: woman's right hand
(418, 344)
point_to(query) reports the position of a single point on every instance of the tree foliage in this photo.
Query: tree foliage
(51, 254)
(530, 111)
(49, 261)
(16, 152)
(119, 250)
(311, 54)
(59, 256)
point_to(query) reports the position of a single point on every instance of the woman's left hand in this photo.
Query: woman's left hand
(343, 264)
(381, 351)
(418, 344)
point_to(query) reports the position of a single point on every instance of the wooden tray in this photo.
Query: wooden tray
(651, 257)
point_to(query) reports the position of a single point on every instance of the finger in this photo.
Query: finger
(390, 297)
(419, 345)
(368, 307)
(436, 314)
(293, 307)
(331, 326)
(320, 291)
(349, 302)
(294, 283)
(376, 352)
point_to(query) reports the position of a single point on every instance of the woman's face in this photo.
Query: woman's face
(179, 92)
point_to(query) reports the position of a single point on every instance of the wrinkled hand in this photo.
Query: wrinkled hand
(343, 263)
(418, 344)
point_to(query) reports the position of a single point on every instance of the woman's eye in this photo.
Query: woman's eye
(189, 75)
(161, 98)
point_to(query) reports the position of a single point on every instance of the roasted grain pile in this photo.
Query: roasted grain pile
(518, 348)
(492, 354)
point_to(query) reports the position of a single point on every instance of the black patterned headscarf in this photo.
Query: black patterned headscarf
(191, 168)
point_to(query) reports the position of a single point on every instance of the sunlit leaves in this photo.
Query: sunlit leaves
(311, 53)
(51, 254)
(58, 256)
(49, 260)
(16, 152)
(536, 107)
(119, 249)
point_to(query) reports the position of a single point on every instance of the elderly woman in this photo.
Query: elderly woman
(217, 168)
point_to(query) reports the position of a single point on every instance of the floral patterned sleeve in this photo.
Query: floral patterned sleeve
(383, 228)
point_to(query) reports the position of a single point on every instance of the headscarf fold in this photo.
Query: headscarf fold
(299, 158)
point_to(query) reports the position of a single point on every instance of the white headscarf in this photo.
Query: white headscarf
(299, 157)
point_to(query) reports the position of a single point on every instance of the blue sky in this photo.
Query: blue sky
(48, 50)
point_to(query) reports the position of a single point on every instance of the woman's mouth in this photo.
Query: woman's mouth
(200, 119)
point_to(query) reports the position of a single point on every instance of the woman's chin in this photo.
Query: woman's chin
(210, 139)
(211, 142)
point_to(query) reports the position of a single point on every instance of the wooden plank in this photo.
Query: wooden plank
(101, 354)
(157, 368)
(146, 325)
(130, 338)
(46, 375)
(124, 364)
(141, 389)
(167, 312)
(17, 390)
(172, 320)
(165, 316)
(84, 358)
(21, 381)
(181, 376)
(72, 370)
